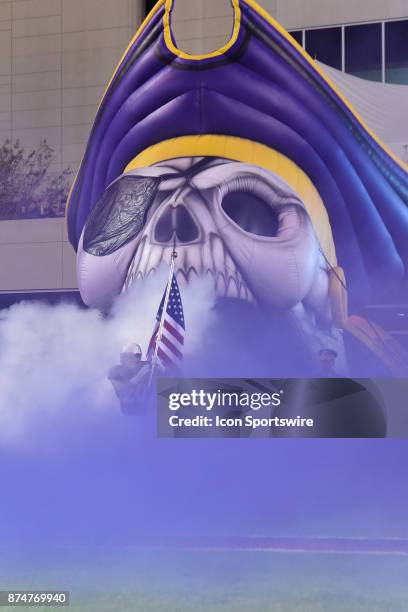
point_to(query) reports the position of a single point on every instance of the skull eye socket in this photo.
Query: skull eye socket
(251, 213)
(120, 214)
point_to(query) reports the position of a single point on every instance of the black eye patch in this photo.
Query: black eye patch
(120, 214)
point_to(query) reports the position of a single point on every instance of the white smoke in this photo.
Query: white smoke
(54, 359)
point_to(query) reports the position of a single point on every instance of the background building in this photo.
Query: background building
(56, 57)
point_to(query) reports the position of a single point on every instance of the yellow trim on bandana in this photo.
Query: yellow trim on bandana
(247, 151)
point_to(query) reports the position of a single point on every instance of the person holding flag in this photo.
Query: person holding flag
(164, 353)
(127, 376)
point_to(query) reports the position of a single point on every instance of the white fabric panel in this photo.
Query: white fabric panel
(384, 107)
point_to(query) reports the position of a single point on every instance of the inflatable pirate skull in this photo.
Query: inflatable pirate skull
(239, 224)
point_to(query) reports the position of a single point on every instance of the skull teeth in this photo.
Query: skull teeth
(229, 264)
(210, 260)
(217, 249)
(220, 285)
(207, 259)
(156, 257)
(193, 261)
(133, 272)
(232, 289)
(144, 260)
(181, 278)
(192, 275)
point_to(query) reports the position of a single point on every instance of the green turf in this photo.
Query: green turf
(219, 581)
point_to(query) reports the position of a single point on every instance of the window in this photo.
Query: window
(324, 45)
(149, 4)
(363, 51)
(298, 36)
(376, 51)
(396, 52)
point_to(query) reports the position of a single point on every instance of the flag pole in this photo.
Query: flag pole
(165, 305)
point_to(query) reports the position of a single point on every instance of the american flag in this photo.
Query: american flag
(171, 343)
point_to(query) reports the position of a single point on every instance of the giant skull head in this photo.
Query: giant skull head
(239, 224)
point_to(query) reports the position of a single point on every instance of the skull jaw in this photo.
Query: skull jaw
(305, 313)
(208, 260)
(249, 311)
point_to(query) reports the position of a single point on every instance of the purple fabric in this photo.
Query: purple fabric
(262, 89)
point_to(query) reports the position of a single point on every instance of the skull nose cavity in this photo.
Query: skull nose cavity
(176, 222)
